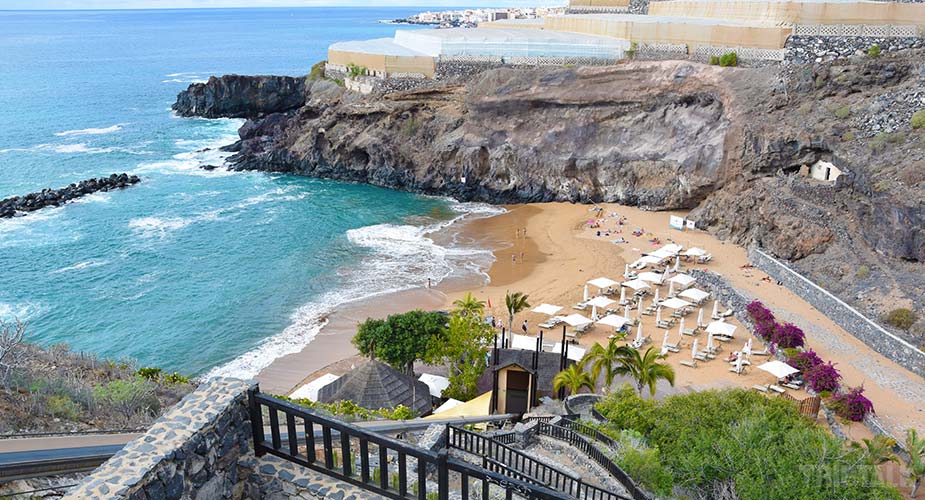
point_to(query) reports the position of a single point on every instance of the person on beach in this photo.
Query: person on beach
(524, 327)
(513, 258)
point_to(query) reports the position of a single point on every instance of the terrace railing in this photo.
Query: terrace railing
(585, 445)
(372, 461)
(515, 463)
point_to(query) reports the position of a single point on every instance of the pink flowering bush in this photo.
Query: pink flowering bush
(823, 378)
(788, 336)
(766, 331)
(852, 405)
(758, 313)
(805, 361)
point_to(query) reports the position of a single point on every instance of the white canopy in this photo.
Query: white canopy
(694, 294)
(778, 368)
(436, 383)
(721, 329)
(603, 282)
(613, 320)
(310, 390)
(600, 302)
(648, 259)
(695, 252)
(663, 253)
(575, 319)
(522, 342)
(636, 284)
(449, 405)
(676, 303)
(547, 309)
(682, 280)
(574, 353)
(674, 248)
(650, 277)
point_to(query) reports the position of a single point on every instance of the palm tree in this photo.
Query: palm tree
(645, 369)
(515, 302)
(469, 305)
(878, 450)
(916, 448)
(573, 378)
(606, 359)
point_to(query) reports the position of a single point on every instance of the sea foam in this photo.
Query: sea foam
(90, 131)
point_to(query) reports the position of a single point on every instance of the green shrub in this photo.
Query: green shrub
(918, 119)
(352, 411)
(646, 469)
(63, 407)
(863, 272)
(633, 50)
(627, 410)
(901, 318)
(175, 379)
(729, 59)
(714, 60)
(317, 72)
(128, 397)
(150, 373)
(356, 71)
(873, 52)
(761, 446)
(843, 112)
(848, 136)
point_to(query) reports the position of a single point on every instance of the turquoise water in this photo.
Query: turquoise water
(189, 270)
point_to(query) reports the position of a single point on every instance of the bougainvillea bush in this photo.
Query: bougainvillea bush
(788, 336)
(852, 404)
(805, 360)
(823, 378)
(758, 313)
(766, 331)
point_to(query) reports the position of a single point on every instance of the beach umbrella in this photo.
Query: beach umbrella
(694, 294)
(658, 315)
(650, 277)
(721, 328)
(593, 312)
(710, 346)
(639, 334)
(639, 304)
(547, 309)
(623, 295)
(681, 327)
(700, 318)
(677, 263)
(603, 283)
(739, 360)
(656, 296)
(715, 309)
(778, 368)
(612, 320)
(747, 348)
(665, 340)
(626, 311)
(676, 303)
(585, 294)
(671, 288)
(695, 252)
(626, 270)
(694, 350)
(636, 284)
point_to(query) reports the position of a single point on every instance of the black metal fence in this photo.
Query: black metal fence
(515, 463)
(371, 461)
(584, 445)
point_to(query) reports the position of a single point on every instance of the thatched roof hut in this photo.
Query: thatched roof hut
(374, 385)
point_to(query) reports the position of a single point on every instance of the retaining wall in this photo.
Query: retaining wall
(864, 329)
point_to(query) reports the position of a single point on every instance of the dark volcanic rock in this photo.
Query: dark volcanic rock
(235, 96)
(19, 205)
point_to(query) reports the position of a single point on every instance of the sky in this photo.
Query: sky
(174, 4)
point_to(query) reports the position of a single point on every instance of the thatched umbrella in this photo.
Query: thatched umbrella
(374, 385)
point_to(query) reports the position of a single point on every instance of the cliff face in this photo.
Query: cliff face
(728, 143)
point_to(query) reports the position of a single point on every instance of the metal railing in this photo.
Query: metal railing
(523, 466)
(372, 461)
(584, 445)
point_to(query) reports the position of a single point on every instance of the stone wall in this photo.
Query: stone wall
(810, 49)
(192, 451)
(845, 316)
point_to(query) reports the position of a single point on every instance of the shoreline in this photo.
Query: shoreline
(561, 254)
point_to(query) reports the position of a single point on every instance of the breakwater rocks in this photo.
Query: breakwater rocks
(19, 205)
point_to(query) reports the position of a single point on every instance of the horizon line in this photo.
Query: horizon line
(409, 6)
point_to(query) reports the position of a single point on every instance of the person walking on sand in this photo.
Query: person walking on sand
(524, 327)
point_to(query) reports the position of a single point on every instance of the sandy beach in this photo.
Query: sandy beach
(559, 254)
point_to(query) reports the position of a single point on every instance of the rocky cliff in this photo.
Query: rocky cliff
(731, 144)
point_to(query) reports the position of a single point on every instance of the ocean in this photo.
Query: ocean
(202, 272)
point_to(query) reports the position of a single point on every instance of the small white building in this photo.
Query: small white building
(824, 171)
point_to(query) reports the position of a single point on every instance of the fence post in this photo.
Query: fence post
(443, 475)
(256, 421)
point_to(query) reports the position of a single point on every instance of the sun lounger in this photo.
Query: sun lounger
(765, 352)
(546, 326)
(777, 389)
(581, 306)
(792, 386)
(690, 364)
(736, 371)
(760, 388)
(664, 324)
(583, 328)
(691, 331)
(571, 337)
(701, 356)
(703, 259)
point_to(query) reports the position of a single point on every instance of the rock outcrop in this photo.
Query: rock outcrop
(20, 205)
(734, 145)
(235, 96)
